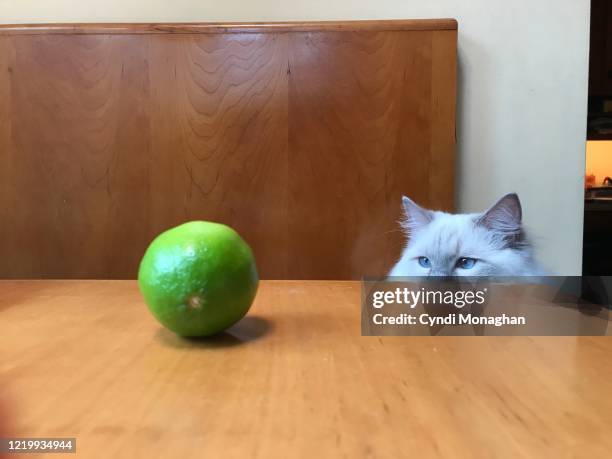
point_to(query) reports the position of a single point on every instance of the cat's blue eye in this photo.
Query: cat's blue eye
(466, 263)
(424, 262)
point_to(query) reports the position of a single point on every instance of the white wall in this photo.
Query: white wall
(522, 90)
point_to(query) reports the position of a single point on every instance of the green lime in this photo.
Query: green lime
(198, 278)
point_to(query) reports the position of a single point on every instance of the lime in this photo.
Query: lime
(198, 278)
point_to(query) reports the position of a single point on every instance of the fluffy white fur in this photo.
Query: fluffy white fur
(495, 239)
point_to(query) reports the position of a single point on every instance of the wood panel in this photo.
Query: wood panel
(78, 156)
(6, 191)
(302, 139)
(293, 379)
(220, 149)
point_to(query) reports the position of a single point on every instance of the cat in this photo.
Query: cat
(492, 243)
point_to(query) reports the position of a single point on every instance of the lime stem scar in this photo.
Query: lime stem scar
(195, 302)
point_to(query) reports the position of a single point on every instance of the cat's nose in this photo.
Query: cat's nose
(440, 275)
(442, 281)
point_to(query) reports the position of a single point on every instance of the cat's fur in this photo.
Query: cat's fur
(495, 238)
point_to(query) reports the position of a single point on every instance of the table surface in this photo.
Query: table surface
(295, 378)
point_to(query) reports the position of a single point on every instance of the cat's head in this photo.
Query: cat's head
(492, 243)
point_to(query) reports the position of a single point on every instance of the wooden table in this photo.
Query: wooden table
(294, 379)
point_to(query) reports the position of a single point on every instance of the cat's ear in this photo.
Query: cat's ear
(504, 216)
(415, 216)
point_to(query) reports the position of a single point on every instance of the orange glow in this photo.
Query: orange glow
(599, 160)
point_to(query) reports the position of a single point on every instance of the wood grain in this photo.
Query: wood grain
(78, 156)
(6, 192)
(293, 379)
(220, 149)
(304, 142)
(360, 135)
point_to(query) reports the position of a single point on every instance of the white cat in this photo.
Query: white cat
(489, 244)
